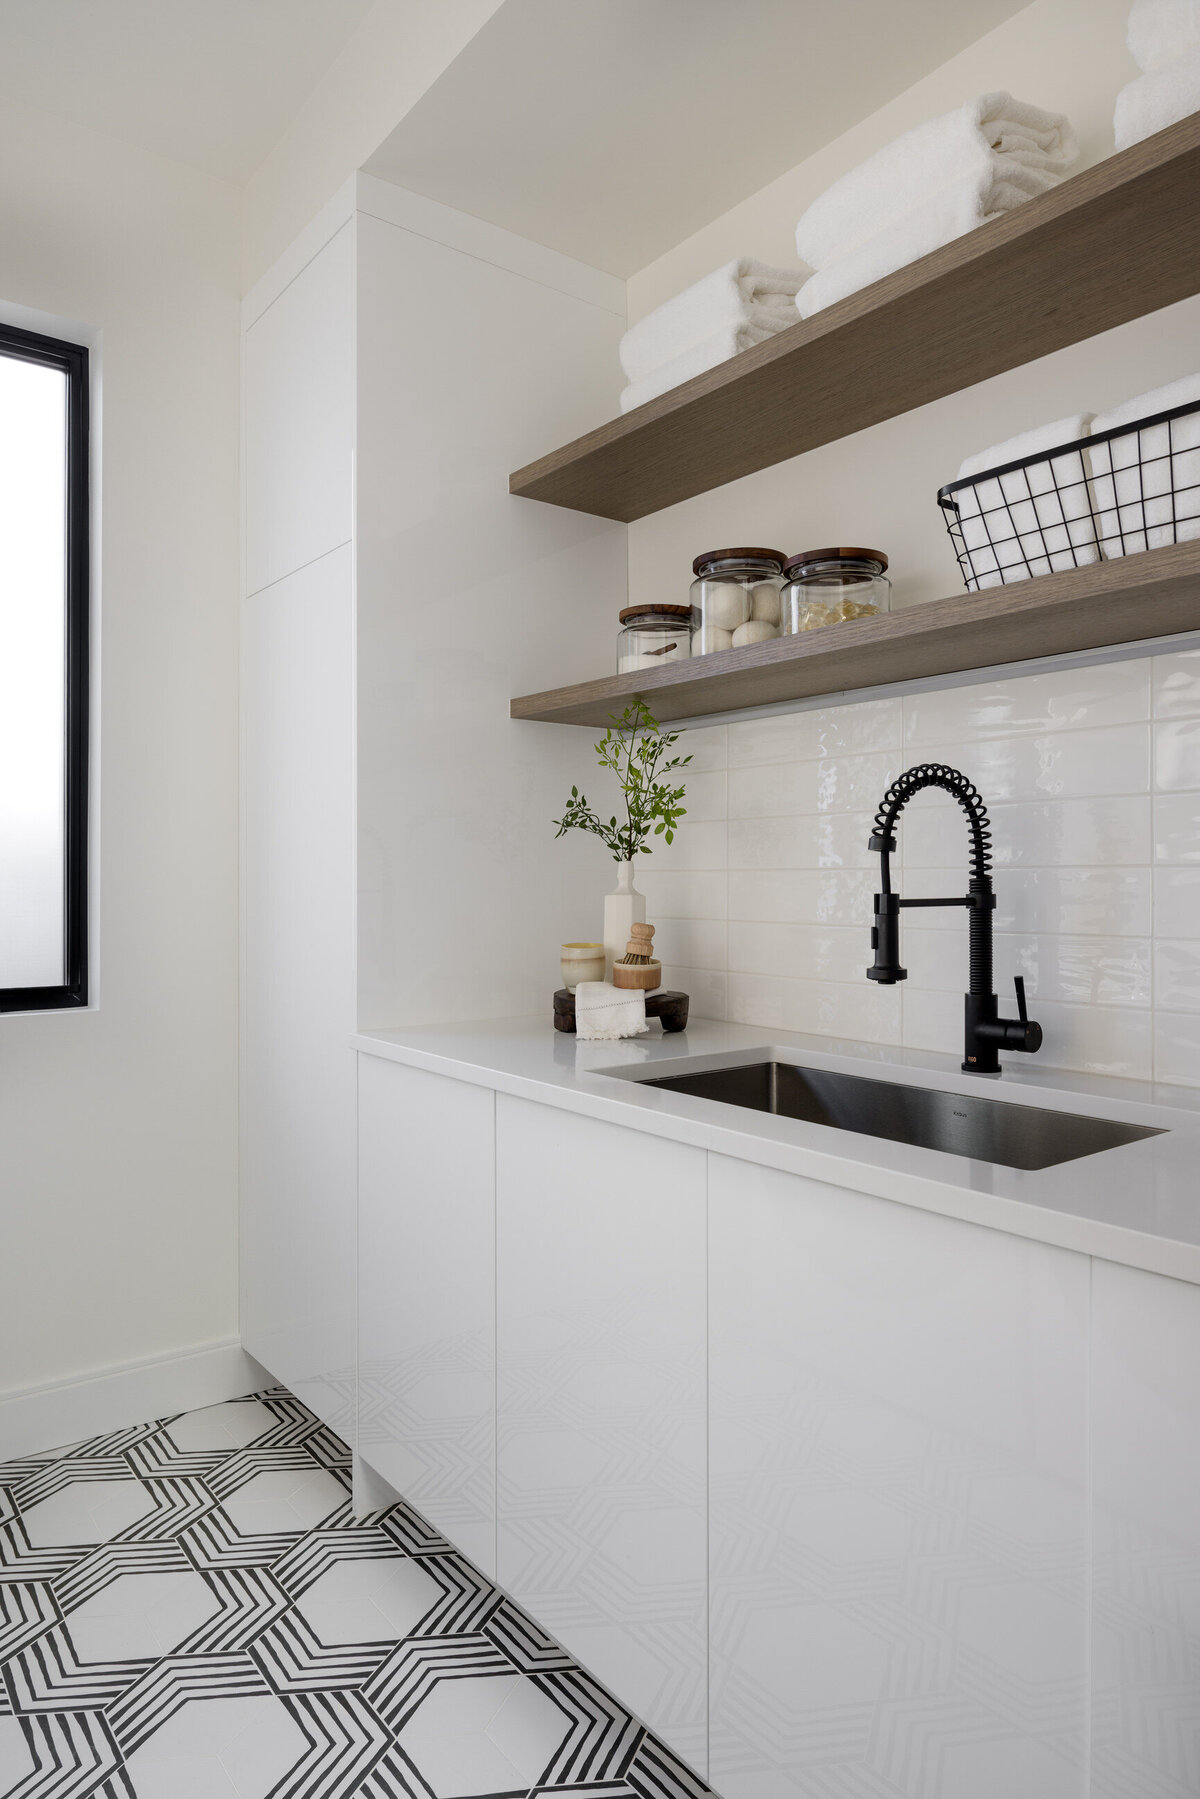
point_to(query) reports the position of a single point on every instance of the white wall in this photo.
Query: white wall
(1093, 777)
(118, 1125)
(476, 348)
(398, 51)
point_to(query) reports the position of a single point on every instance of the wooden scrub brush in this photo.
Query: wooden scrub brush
(637, 967)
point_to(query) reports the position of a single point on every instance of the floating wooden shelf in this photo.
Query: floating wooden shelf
(1107, 246)
(1156, 594)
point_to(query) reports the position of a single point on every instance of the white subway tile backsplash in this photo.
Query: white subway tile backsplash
(820, 840)
(1092, 1039)
(855, 783)
(706, 989)
(1064, 765)
(806, 736)
(773, 790)
(692, 942)
(802, 896)
(1092, 781)
(1177, 827)
(1177, 902)
(1116, 693)
(798, 951)
(697, 845)
(864, 1012)
(1177, 1048)
(1177, 685)
(1087, 902)
(1177, 755)
(705, 797)
(1177, 975)
(708, 747)
(1094, 971)
(1052, 834)
(686, 894)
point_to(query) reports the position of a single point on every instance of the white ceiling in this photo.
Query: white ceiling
(212, 83)
(613, 129)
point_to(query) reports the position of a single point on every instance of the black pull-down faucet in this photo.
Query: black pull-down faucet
(986, 1032)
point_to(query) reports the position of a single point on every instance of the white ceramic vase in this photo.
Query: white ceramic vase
(623, 907)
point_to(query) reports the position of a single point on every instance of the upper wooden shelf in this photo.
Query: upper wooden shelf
(1156, 594)
(1105, 247)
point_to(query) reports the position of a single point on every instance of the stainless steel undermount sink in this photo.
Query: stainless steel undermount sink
(987, 1130)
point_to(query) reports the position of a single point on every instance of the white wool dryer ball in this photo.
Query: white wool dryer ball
(755, 630)
(725, 604)
(765, 602)
(709, 639)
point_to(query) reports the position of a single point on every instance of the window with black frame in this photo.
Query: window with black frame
(43, 671)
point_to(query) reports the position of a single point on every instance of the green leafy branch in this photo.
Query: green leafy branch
(638, 753)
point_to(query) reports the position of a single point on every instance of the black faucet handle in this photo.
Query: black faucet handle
(1022, 1032)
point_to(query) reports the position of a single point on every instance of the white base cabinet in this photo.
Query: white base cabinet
(898, 1501)
(839, 1496)
(426, 1284)
(1146, 1582)
(601, 1388)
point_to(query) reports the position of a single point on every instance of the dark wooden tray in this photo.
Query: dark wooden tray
(671, 1008)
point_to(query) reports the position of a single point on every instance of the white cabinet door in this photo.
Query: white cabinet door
(898, 1505)
(298, 1075)
(1146, 1612)
(600, 1342)
(298, 406)
(426, 1284)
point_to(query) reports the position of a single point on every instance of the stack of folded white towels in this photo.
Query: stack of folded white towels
(740, 304)
(1164, 40)
(928, 187)
(1137, 490)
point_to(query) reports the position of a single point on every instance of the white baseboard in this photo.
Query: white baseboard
(61, 1412)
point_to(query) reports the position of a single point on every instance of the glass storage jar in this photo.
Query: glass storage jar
(735, 598)
(652, 635)
(828, 587)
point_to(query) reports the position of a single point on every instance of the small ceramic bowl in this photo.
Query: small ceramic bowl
(581, 962)
(644, 975)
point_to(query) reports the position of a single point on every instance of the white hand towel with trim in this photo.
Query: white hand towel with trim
(1002, 150)
(1146, 484)
(604, 1012)
(741, 292)
(1157, 100)
(1030, 521)
(1160, 30)
(718, 348)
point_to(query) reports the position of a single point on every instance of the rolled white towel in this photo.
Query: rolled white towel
(1154, 101)
(604, 1012)
(937, 220)
(741, 292)
(1031, 521)
(1146, 484)
(1160, 30)
(718, 348)
(1001, 149)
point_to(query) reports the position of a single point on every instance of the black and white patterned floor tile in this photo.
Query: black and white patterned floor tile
(190, 1610)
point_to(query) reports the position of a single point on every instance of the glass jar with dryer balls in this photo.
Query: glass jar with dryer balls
(735, 598)
(830, 587)
(652, 635)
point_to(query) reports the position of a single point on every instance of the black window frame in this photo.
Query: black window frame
(73, 360)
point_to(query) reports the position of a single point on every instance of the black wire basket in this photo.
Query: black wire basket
(1134, 487)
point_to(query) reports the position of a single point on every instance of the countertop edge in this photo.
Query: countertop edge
(1110, 1242)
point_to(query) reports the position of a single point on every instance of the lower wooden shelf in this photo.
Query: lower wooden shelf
(1155, 594)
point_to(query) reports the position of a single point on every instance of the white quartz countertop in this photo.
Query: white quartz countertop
(1138, 1204)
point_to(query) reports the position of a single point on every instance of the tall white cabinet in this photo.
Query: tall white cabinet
(299, 1104)
(399, 864)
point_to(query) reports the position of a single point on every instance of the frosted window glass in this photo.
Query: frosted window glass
(33, 543)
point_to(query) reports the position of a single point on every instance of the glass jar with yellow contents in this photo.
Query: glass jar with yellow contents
(830, 587)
